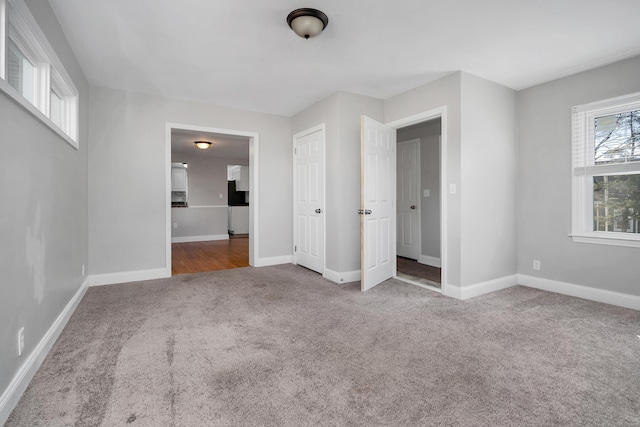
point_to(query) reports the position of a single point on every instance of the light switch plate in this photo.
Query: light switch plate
(452, 189)
(426, 193)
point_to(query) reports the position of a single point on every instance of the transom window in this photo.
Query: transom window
(32, 74)
(606, 172)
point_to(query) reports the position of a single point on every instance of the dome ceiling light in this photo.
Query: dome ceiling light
(203, 145)
(307, 22)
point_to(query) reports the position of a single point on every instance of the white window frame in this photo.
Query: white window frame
(17, 23)
(584, 169)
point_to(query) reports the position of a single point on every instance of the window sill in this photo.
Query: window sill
(21, 101)
(616, 239)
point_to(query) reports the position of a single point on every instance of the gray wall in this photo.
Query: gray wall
(200, 221)
(488, 189)
(207, 213)
(43, 214)
(429, 135)
(207, 178)
(341, 113)
(544, 182)
(127, 176)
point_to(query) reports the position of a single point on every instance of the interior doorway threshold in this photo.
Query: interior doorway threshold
(417, 281)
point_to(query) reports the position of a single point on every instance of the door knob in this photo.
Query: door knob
(318, 210)
(413, 206)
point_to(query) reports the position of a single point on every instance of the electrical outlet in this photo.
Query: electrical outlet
(20, 341)
(221, 196)
(426, 193)
(536, 264)
(175, 225)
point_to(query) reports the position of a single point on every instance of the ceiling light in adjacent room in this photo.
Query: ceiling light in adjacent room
(203, 145)
(307, 22)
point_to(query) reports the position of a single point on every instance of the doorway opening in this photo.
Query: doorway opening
(212, 205)
(418, 203)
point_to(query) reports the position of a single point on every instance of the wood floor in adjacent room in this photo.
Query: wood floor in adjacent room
(413, 270)
(198, 257)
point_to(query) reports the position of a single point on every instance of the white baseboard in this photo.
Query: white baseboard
(593, 294)
(477, 289)
(344, 277)
(276, 260)
(127, 276)
(188, 239)
(430, 260)
(23, 377)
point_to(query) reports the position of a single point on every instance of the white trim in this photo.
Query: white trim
(127, 276)
(276, 260)
(440, 112)
(296, 137)
(345, 277)
(477, 289)
(607, 238)
(254, 188)
(23, 377)
(415, 283)
(188, 239)
(585, 292)
(429, 260)
(195, 207)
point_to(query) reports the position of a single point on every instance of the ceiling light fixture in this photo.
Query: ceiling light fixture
(307, 22)
(203, 145)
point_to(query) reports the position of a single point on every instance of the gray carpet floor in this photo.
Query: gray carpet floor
(280, 346)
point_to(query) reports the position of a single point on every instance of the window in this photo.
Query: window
(32, 74)
(606, 172)
(21, 73)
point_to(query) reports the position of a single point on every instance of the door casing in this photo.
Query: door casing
(439, 112)
(254, 188)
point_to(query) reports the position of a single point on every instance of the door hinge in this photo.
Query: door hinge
(295, 249)
(295, 151)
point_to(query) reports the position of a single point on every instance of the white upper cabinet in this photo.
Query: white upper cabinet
(242, 184)
(178, 178)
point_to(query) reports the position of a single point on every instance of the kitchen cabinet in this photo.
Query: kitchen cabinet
(242, 181)
(178, 178)
(239, 174)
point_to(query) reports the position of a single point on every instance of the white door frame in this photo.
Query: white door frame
(320, 127)
(440, 112)
(418, 194)
(253, 187)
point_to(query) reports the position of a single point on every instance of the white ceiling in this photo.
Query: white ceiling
(242, 54)
(222, 147)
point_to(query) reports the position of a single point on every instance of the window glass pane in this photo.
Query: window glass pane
(617, 138)
(616, 203)
(20, 72)
(56, 109)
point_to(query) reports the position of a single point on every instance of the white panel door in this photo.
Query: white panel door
(407, 199)
(309, 238)
(377, 182)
